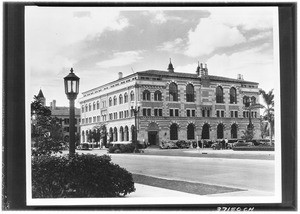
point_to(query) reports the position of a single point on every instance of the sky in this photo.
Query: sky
(99, 42)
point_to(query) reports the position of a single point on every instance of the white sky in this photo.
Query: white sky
(100, 42)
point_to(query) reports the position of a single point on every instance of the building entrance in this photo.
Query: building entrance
(152, 137)
(153, 130)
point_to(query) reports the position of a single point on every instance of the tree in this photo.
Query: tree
(46, 132)
(269, 110)
(99, 133)
(248, 134)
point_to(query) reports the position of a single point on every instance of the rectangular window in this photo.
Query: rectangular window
(160, 112)
(188, 113)
(155, 112)
(144, 112)
(236, 113)
(149, 112)
(208, 113)
(171, 113)
(90, 119)
(82, 120)
(203, 113)
(218, 113)
(222, 113)
(94, 119)
(255, 114)
(66, 121)
(176, 112)
(231, 113)
(86, 120)
(193, 113)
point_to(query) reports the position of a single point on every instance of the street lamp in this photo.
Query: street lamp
(71, 89)
(135, 108)
(251, 106)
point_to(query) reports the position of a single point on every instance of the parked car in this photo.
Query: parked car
(216, 146)
(242, 143)
(83, 146)
(183, 144)
(168, 145)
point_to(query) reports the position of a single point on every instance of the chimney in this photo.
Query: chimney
(53, 104)
(198, 70)
(120, 75)
(240, 77)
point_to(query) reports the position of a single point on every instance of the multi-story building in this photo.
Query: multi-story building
(62, 113)
(173, 106)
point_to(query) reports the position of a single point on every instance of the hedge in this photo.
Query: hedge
(80, 176)
(253, 148)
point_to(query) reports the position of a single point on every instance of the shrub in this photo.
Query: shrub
(254, 148)
(79, 176)
(182, 144)
(121, 148)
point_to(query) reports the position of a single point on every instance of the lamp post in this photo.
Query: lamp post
(135, 109)
(71, 89)
(250, 106)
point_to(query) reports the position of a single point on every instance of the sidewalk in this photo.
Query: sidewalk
(197, 153)
(228, 151)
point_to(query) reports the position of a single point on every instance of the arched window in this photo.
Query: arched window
(220, 131)
(115, 134)
(246, 101)
(205, 131)
(111, 135)
(115, 100)
(253, 100)
(126, 134)
(121, 134)
(98, 104)
(125, 98)
(190, 93)
(110, 101)
(219, 95)
(157, 96)
(86, 107)
(232, 95)
(132, 132)
(146, 95)
(190, 131)
(120, 99)
(94, 106)
(174, 132)
(173, 92)
(233, 131)
(131, 96)
(90, 107)
(83, 137)
(82, 109)
(87, 135)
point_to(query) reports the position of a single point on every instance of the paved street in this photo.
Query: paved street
(255, 175)
(252, 175)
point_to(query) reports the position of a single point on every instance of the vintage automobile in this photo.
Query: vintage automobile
(168, 145)
(216, 146)
(83, 146)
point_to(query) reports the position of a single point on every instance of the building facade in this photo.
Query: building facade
(172, 106)
(62, 113)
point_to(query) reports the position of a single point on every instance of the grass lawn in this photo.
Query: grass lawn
(182, 186)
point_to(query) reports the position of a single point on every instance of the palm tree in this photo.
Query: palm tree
(269, 109)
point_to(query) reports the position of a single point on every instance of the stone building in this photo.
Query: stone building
(62, 113)
(173, 106)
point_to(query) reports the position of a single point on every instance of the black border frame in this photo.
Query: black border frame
(14, 154)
